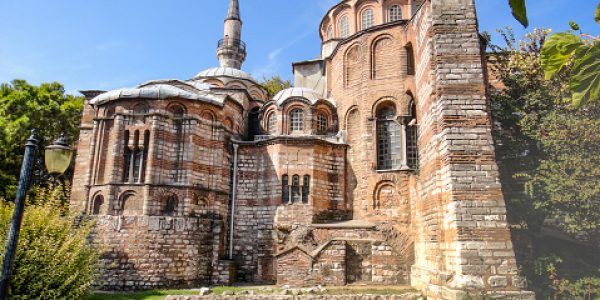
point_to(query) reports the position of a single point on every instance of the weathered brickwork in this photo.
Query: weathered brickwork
(378, 167)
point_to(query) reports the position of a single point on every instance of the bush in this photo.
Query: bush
(54, 259)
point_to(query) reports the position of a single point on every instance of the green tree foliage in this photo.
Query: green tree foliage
(23, 107)
(581, 52)
(551, 145)
(518, 106)
(548, 158)
(54, 259)
(519, 11)
(275, 84)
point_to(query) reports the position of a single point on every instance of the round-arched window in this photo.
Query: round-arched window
(296, 120)
(394, 13)
(344, 27)
(322, 123)
(367, 19)
(272, 124)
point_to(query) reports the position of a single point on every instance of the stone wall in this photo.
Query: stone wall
(463, 241)
(152, 252)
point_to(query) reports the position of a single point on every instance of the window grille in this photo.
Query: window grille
(367, 19)
(296, 120)
(389, 145)
(322, 123)
(344, 27)
(412, 151)
(395, 13)
(272, 124)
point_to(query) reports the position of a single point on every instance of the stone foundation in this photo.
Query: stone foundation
(153, 252)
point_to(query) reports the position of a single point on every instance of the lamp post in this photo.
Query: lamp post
(57, 158)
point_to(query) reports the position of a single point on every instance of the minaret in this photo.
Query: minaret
(231, 50)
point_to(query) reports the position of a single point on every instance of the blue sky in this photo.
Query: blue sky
(107, 44)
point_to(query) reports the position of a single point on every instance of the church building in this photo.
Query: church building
(378, 166)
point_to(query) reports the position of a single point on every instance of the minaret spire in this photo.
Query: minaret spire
(231, 50)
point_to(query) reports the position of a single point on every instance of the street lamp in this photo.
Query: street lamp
(57, 158)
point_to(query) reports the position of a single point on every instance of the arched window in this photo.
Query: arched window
(285, 189)
(322, 123)
(394, 13)
(367, 19)
(305, 189)
(412, 132)
(127, 153)
(329, 32)
(170, 206)
(97, 205)
(389, 143)
(410, 59)
(296, 120)
(138, 157)
(253, 123)
(344, 27)
(177, 110)
(295, 189)
(272, 124)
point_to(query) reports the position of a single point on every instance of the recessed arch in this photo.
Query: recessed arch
(176, 109)
(383, 56)
(130, 204)
(385, 195)
(352, 65)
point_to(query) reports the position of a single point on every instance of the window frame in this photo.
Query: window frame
(367, 20)
(394, 15)
(344, 26)
(296, 117)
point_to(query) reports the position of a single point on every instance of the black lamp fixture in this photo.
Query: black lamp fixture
(57, 159)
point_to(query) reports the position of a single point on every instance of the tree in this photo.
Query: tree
(275, 84)
(548, 166)
(23, 107)
(54, 259)
(580, 51)
(547, 149)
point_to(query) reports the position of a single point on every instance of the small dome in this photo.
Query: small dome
(224, 72)
(306, 93)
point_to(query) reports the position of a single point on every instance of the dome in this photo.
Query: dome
(306, 93)
(224, 72)
(161, 90)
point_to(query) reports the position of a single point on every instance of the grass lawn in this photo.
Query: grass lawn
(160, 294)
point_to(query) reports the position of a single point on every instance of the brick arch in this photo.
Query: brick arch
(130, 203)
(352, 65)
(177, 108)
(383, 57)
(383, 101)
(385, 195)
(215, 82)
(97, 204)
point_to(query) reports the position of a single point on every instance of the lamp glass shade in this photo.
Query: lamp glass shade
(57, 159)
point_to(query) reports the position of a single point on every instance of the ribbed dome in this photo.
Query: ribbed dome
(224, 72)
(306, 93)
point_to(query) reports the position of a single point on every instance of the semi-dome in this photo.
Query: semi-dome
(161, 90)
(300, 92)
(224, 72)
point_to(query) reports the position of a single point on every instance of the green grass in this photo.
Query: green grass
(161, 294)
(148, 295)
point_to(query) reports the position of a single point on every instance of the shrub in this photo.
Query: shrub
(54, 259)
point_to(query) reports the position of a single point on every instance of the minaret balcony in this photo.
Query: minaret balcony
(231, 44)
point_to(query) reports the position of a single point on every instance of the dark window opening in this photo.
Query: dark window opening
(171, 205)
(285, 189)
(410, 60)
(305, 189)
(253, 123)
(97, 206)
(295, 189)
